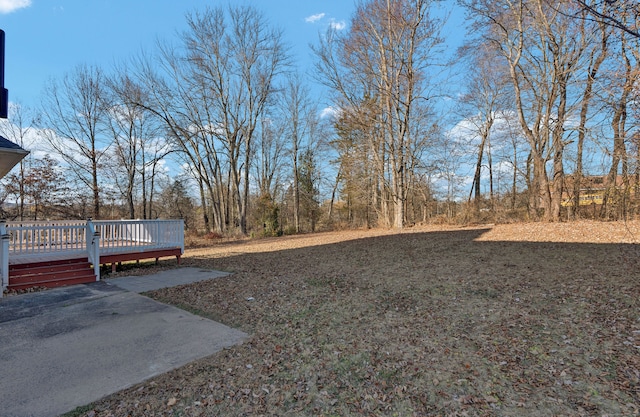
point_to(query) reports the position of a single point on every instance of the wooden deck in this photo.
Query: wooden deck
(46, 246)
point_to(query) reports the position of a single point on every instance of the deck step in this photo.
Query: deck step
(49, 263)
(50, 274)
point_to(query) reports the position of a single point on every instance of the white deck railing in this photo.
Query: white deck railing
(139, 235)
(25, 241)
(38, 238)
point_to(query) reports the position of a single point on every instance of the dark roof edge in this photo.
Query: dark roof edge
(6, 144)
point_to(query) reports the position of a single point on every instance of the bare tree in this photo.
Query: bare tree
(378, 71)
(484, 100)
(620, 14)
(73, 118)
(301, 131)
(238, 57)
(211, 95)
(137, 143)
(358, 170)
(543, 51)
(596, 55)
(126, 126)
(43, 186)
(18, 130)
(188, 126)
(623, 78)
(269, 156)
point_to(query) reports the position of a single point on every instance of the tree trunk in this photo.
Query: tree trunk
(476, 177)
(296, 189)
(245, 196)
(558, 147)
(592, 72)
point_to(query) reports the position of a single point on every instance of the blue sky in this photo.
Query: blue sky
(47, 38)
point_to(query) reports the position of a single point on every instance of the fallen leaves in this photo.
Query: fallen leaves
(425, 322)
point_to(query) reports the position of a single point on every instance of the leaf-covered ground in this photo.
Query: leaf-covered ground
(506, 320)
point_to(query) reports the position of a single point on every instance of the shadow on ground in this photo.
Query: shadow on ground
(414, 324)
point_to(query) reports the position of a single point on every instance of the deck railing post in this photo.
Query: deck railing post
(96, 254)
(4, 257)
(93, 247)
(181, 234)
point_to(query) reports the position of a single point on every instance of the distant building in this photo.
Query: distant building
(593, 189)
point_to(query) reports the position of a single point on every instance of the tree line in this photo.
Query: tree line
(544, 114)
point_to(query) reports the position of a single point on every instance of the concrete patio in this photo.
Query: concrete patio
(67, 347)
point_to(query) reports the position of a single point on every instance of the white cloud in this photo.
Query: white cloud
(338, 24)
(333, 23)
(313, 18)
(8, 6)
(329, 112)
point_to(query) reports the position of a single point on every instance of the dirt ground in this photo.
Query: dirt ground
(507, 320)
